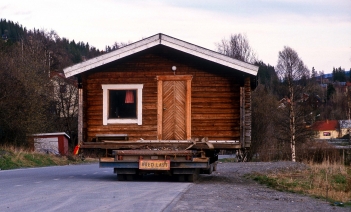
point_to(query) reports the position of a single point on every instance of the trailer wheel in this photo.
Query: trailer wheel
(181, 177)
(209, 170)
(215, 166)
(130, 177)
(193, 177)
(121, 177)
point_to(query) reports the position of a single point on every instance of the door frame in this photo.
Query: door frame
(160, 80)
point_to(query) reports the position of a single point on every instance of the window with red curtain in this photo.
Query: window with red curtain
(122, 104)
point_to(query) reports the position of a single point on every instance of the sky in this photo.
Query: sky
(318, 30)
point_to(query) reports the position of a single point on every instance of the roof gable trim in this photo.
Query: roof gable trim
(210, 55)
(111, 56)
(161, 39)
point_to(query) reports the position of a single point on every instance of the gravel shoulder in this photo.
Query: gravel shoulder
(227, 190)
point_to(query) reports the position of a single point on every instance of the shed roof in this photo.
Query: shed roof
(325, 125)
(161, 39)
(50, 134)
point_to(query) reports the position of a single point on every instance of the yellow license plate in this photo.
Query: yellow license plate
(155, 164)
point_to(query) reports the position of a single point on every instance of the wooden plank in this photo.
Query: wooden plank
(242, 115)
(247, 112)
(199, 88)
(234, 123)
(136, 145)
(174, 111)
(80, 116)
(188, 108)
(216, 128)
(180, 110)
(168, 116)
(216, 110)
(213, 100)
(174, 77)
(213, 116)
(159, 109)
(214, 94)
(213, 105)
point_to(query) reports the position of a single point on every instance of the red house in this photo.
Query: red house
(326, 129)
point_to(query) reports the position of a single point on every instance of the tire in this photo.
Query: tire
(193, 177)
(215, 166)
(130, 177)
(181, 177)
(209, 170)
(121, 177)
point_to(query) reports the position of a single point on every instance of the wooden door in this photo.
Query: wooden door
(174, 105)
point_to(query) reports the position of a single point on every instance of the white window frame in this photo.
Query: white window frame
(139, 99)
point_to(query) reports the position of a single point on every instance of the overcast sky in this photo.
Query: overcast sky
(318, 30)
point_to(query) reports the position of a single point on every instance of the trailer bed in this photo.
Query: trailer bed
(157, 144)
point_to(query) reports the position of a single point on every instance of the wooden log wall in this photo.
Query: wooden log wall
(215, 97)
(247, 90)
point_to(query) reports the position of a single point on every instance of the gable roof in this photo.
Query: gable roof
(161, 39)
(325, 125)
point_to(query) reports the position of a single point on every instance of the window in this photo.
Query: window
(122, 104)
(326, 133)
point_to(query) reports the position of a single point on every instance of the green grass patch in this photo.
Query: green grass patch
(7, 163)
(14, 158)
(39, 159)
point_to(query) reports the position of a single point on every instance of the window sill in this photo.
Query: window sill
(123, 121)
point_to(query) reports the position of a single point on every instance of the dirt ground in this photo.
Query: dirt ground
(227, 190)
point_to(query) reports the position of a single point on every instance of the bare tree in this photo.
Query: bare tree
(23, 93)
(292, 71)
(237, 47)
(65, 99)
(263, 140)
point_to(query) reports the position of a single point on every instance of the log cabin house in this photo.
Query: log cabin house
(163, 88)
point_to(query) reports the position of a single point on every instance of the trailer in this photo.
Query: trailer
(163, 106)
(184, 158)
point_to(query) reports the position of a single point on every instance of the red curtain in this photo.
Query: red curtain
(129, 97)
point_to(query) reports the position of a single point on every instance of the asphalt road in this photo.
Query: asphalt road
(83, 188)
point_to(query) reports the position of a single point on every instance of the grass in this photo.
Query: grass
(14, 158)
(329, 181)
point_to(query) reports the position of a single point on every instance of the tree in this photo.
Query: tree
(339, 74)
(263, 123)
(266, 74)
(330, 91)
(29, 98)
(65, 105)
(24, 93)
(291, 70)
(237, 47)
(314, 73)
